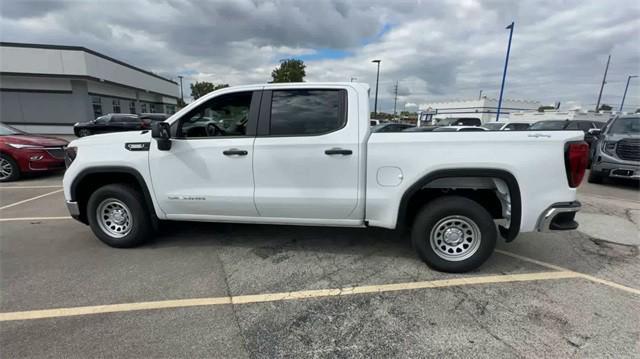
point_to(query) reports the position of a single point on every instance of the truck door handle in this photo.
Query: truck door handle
(338, 151)
(235, 152)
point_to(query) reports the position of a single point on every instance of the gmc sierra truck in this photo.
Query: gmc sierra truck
(304, 154)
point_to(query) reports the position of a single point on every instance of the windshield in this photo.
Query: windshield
(495, 126)
(548, 125)
(625, 125)
(6, 130)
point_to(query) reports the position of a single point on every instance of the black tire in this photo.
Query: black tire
(139, 224)
(595, 177)
(83, 132)
(8, 165)
(470, 223)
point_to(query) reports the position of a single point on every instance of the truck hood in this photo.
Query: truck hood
(113, 138)
(34, 140)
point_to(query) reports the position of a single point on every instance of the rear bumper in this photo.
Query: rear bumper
(559, 217)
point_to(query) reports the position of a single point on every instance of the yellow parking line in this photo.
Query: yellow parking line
(29, 187)
(30, 199)
(18, 219)
(270, 297)
(580, 275)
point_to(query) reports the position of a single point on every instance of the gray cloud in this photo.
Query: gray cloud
(436, 49)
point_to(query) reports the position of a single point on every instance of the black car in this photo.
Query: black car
(153, 117)
(113, 122)
(458, 121)
(582, 125)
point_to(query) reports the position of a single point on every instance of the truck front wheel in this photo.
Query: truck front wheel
(118, 217)
(454, 234)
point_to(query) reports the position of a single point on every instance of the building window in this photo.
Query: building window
(143, 107)
(152, 107)
(132, 107)
(116, 106)
(170, 109)
(97, 106)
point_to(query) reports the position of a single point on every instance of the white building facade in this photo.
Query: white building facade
(483, 108)
(48, 88)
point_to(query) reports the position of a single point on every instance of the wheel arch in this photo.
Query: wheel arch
(92, 178)
(404, 213)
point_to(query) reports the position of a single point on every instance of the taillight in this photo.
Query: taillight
(576, 157)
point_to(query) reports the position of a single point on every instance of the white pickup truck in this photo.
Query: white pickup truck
(303, 154)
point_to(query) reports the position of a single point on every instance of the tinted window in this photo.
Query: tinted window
(572, 126)
(517, 126)
(599, 124)
(306, 112)
(585, 126)
(127, 119)
(548, 125)
(224, 115)
(625, 125)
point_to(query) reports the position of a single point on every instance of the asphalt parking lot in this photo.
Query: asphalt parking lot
(219, 290)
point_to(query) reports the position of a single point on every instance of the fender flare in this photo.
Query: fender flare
(514, 191)
(116, 170)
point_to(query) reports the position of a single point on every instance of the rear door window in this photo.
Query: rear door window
(307, 112)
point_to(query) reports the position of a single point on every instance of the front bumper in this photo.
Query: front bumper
(559, 217)
(618, 170)
(74, 209)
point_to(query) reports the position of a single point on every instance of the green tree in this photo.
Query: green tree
(605, 107)
(290, 70)
(200, 89)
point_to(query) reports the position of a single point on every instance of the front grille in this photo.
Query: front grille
(56, 152)
(629, 149)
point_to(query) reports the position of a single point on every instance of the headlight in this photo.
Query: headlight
(609, 147)
(70, 154)
(20, 145)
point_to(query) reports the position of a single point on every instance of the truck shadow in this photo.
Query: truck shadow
(268, 240)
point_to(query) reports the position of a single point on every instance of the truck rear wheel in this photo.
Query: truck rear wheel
(454, 234)
(118, 217)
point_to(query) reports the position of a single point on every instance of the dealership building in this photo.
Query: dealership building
(48, 88)
(483, 108)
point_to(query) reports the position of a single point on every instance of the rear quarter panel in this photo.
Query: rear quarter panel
(535, 159)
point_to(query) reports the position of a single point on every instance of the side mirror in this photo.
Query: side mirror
(595, 132)
(161, 131)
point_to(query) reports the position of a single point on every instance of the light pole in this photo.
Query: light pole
(604, 81)
(181, 94)
(504, 73)
(625, 90)
(375, 104)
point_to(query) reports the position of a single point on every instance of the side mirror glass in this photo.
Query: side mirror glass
(161, 131)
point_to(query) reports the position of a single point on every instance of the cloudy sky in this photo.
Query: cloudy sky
(436, 50)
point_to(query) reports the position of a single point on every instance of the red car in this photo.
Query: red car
(22, 153)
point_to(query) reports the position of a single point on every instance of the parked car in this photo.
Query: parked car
(148, 118)
(390, 127)
(306, 156)
(22, 153)
(420, 129)
(506, 126)
(616, 153)
(582, 125)
(113, 122)
(458, 121)
(459, 129)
